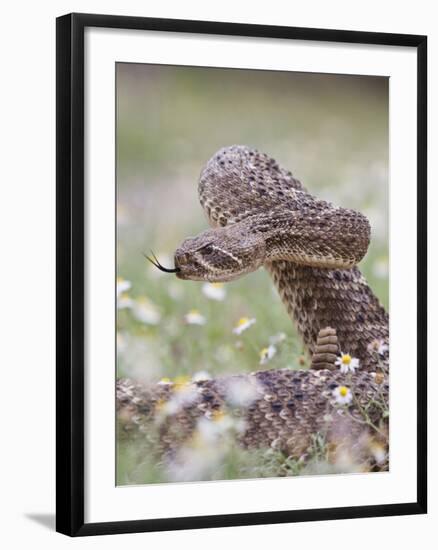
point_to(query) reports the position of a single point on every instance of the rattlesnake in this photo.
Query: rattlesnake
(262, 216)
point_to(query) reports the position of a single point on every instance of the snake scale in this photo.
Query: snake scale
(262, 216)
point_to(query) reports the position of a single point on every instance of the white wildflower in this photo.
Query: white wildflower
(200, 376)
(203, 455)
(195, 462)
(218, 427)
(215, 425)
(181, 382)
(122, 286)
(343, 395)
(243, 324)
(378, 346)
(266, 354)
(347, 363)
(145, 311)
(183, 395)
(214, 291)
(382, 349)
(277, 338)
(124, 301)
(241, 392)
(194, 317)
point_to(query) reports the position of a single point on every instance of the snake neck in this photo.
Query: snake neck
(318, 298)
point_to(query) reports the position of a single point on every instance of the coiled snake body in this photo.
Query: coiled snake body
(262, 216)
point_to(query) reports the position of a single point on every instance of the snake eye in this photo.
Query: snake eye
(208, 249)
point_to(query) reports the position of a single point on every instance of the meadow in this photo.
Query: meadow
(330, 130)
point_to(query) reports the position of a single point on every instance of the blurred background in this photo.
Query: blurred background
(331, 131)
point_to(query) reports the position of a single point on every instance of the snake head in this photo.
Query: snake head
(220, 255)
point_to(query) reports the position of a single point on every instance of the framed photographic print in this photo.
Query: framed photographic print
(241, 274)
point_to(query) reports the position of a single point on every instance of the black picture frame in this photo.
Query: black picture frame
(70, 272)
